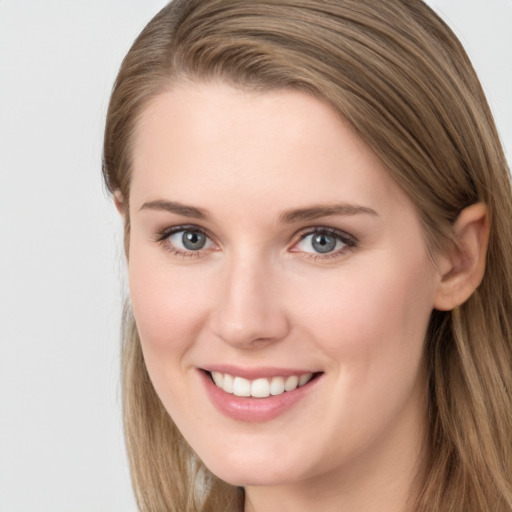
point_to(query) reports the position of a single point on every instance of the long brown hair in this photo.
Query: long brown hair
(400, 77)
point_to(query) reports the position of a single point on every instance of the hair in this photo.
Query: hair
(399, 76)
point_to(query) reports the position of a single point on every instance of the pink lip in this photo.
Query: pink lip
(254, 409)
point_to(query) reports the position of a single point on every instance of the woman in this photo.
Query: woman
(318, 230)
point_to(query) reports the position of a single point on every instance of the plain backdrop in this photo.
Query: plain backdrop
(61, 265)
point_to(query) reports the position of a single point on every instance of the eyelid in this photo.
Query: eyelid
(349, 241)
(164, 233)
(162, 237)
(343, 235)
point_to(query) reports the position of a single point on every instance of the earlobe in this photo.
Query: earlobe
(463, 264)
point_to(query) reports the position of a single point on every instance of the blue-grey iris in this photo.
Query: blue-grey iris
(323, 242)
(193, 240)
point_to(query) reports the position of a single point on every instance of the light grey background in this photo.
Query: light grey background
(61, 269)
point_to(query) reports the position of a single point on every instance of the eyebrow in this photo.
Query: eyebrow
(174, 207)
(287, 217)
(323, 210)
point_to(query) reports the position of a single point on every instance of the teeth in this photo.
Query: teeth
(218, 378)
(291, 383)
(259, 388)
(304, 379)
(227, 385)
(277, 386)
(241, 387)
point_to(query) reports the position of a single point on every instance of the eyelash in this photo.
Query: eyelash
(163, 239)
(349, 242)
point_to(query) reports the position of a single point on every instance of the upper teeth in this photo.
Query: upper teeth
(259, 388)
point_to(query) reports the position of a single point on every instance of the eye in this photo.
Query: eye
(189, 240)
(324, 241)
(185, 240)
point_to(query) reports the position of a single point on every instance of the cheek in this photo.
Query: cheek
(373, 329)
(168, 312)
(168, 305)
(375, 313)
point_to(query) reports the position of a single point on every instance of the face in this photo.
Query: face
(280, 284)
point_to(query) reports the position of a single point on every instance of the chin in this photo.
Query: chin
(249, 477)
(242, 471)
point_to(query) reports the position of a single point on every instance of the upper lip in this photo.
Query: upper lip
(252, 373)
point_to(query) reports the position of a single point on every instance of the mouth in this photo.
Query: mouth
(257, 394)
(262, 387)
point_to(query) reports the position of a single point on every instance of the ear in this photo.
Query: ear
(119, 202)
(463, 265)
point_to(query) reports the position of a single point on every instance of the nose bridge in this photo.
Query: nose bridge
(249, 309)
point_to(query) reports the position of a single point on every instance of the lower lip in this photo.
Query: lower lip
(254, 409)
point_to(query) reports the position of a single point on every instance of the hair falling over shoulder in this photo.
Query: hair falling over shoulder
(401, 78)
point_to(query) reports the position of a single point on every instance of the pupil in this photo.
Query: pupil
(323, 243)
(193, 240)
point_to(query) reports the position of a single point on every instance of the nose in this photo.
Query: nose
(249, 310)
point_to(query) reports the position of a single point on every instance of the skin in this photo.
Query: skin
(258, 295)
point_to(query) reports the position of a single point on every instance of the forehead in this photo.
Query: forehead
(243, 145)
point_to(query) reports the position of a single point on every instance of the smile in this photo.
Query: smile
(262, 394)
(261, 387)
